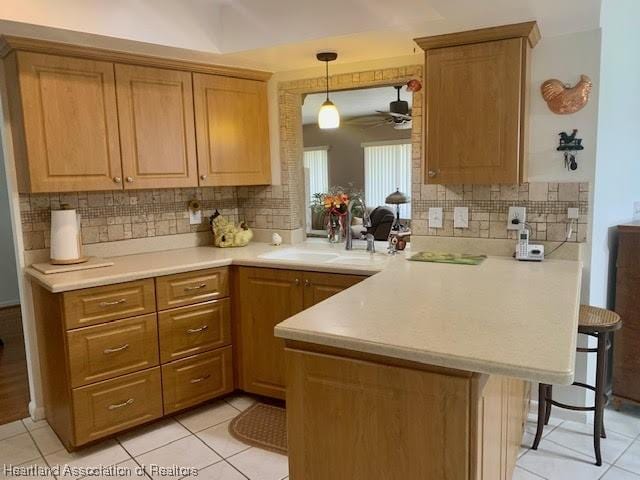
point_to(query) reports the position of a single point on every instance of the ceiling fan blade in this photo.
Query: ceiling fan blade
(400, 116)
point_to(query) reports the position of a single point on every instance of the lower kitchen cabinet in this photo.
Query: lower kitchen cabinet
(114, 405)
(117, 356)
(359, 416)
(267, 297)
(195, 379)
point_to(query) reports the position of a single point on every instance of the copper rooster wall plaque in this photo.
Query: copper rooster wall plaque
(562, 99)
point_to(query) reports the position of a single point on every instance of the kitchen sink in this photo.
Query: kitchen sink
(346, 258)
(294, 255)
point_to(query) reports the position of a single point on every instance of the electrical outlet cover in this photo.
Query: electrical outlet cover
(435, 217)
(195, 218)
(461, 217)
(517, 218)
(573, 213)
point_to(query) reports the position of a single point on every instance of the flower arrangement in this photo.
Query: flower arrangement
(333, 204)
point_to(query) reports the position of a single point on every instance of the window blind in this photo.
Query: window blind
(315, 161)
(386, 168)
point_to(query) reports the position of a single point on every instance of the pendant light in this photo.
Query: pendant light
(328, 116)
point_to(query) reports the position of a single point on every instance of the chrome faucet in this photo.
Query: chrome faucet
(366, 222)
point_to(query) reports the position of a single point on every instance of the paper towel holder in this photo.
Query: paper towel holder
(66, 243)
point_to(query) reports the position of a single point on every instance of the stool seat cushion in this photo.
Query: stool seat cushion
(595, 319)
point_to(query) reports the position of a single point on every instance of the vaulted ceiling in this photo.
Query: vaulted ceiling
(280, 34)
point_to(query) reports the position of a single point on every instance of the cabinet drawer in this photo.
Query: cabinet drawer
(102, 304)
(192, 287)
(106, 351)
(195, 379)
(114, 405)
(186, 331)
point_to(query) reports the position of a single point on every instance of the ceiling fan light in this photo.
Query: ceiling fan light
(328, 116)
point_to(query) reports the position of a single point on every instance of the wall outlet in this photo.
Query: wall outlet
(516, 218)
(573, 213)
(636, 211)
(195, 217)
(461, 217)
(435, 218)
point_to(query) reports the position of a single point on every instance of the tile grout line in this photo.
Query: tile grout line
(532, 473)
(133, 458)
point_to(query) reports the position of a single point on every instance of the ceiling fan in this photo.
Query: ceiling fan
(398, 116)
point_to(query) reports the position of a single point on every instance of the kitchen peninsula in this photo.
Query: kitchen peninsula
(423, 370)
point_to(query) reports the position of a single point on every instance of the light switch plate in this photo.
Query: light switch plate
(573, 213)
(517, 218)
(195, 217)
(435, 217)
(461, 217)
(636, 211)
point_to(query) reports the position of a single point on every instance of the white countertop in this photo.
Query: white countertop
(501, 317)
(146, 265)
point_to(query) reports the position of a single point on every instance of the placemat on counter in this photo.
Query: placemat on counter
(455, 258)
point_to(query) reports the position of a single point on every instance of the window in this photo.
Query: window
(387, 167)
(315, 163)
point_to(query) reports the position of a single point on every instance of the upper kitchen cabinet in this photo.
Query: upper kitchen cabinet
(476, 95)
(85, 118)
(232, 131)
(64, 123)
(157, 134)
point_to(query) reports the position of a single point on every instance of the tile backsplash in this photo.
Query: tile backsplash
(121, 215)
(546, 205)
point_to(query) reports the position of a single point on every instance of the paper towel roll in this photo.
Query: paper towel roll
(66, 246)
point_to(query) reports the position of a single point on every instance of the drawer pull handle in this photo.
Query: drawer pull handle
(114, 302)
(107, 351)
(116, 406)
(199, 379)
(199, 329)
(195, 287)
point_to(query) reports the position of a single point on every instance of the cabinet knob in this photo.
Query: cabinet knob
(307, 283)
(117, 180)
(432, 173)
(130, 179)
(297, 281)
(203, 177)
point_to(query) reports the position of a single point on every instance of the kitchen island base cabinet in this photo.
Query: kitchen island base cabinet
(357, 416)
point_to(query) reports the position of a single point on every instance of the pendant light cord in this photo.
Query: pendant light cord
(326, 63)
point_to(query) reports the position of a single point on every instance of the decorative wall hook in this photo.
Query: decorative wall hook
(570, 145)
(565, 99)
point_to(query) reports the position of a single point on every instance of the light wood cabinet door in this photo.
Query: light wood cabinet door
(105, 351)
(232, 131)
(157, 134)
(64, 122)
(192, 287)
(195, 379)
(111, 406)
(186, 331)
(268, 297)
(320, 286)
(91, 306)
(474, 100)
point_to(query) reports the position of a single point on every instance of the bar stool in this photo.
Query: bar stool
(598, 323)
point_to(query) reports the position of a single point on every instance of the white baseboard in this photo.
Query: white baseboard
(36, 413)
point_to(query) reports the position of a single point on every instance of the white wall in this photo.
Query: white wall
(617, 176)
(8, 277)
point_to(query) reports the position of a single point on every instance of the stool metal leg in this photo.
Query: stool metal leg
(542, 401)
(547, 413)
(600, 399)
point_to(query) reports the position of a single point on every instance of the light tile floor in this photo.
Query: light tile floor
(200, 439)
